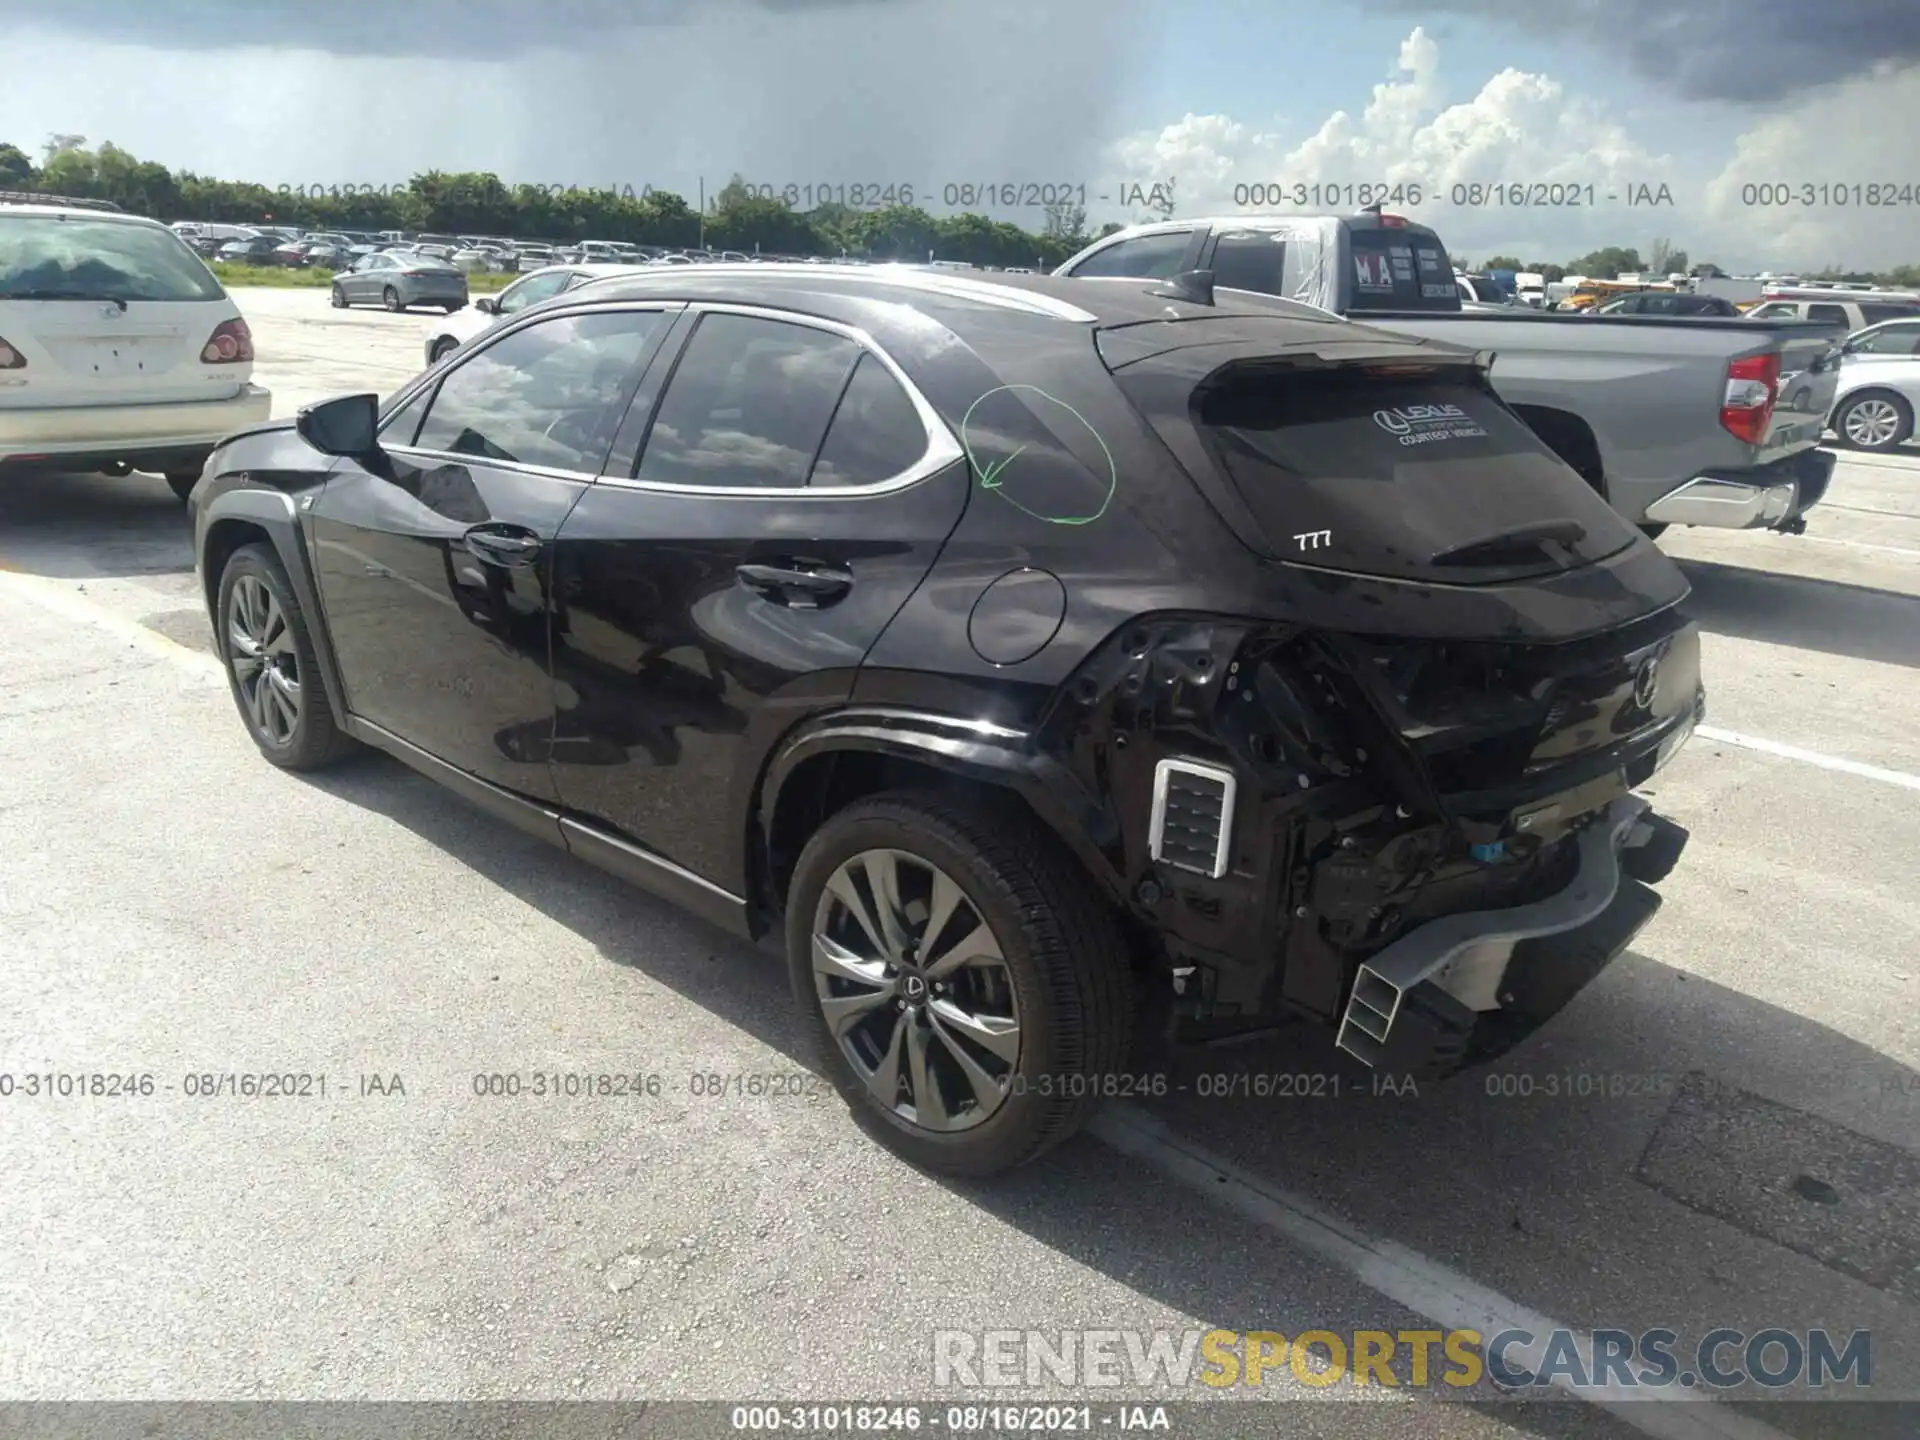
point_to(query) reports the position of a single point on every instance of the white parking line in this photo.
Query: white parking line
(1808, 757)
(67, 602)
(1862, 545)
(1404, 1276)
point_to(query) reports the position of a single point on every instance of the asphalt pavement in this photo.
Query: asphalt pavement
(1723, 1131)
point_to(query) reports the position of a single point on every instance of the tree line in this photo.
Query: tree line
(733, 218)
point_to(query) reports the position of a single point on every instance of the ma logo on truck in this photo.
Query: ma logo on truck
(1417, 424)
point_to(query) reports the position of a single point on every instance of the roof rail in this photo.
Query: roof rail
(34, 197)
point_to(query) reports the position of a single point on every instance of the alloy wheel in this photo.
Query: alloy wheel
(1871, 424)
(266, 665)
(915, 990)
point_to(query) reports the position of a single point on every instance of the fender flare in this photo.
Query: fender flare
(968, 749)
(274, 512)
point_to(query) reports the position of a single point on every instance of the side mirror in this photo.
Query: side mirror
(347, 426)
(487, 305)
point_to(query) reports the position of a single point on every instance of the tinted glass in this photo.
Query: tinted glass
(548, 395)
(1831, 314)
(876, 432)
(1250, 260)
(84, 259)
(1874, 314)
(1408, 477)
(1148, 257)
(748, 404)
(529, 292)
(1775, 310)
(1401, 269)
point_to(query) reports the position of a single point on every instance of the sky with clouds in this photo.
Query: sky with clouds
(1710, 99)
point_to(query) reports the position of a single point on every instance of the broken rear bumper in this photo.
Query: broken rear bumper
(1465, 988)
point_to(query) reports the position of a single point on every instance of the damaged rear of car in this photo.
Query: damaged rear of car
(1407, 809)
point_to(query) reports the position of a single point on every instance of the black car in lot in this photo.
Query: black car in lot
(1047, 669)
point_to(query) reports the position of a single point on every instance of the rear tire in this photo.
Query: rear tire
(443, 347)
(390, 298)
(1053, 964)
(338, 298)
(262, 639)
(1877, 421)
(183, 481)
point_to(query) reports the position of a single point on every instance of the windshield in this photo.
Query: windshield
(1418, 478)
(50, 257)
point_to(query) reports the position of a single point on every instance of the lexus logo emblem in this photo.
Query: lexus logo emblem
(1391, 422)
(1646, 683)
(916, 987)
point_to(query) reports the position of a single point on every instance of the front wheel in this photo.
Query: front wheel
(443, 347)
(268, 652)
(1875, 422)
(338, 298)
(390, 298)
(966, 988)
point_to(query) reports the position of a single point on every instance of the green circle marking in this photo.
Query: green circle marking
(991, 476)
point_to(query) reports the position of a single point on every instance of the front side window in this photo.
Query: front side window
(748, 405)
(532, 291)
(1145, 257)
(549, 395)
(1828, 314)
(1894, 340)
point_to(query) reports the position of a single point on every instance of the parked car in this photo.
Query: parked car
(1481, 289)
(399, 281)
(529, 258)
(1879, 386)
(1848, 315)
(720, 602)
(1698, 422)
(1669, 302)
(119, 350)
(254, 250)
(444, 336)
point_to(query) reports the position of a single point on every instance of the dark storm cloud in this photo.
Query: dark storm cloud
(1742, 51)
(465, 28)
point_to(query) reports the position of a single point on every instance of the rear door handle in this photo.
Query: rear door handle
(799, 586)
(510, 545)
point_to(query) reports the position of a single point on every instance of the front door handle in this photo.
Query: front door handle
(803, 587)
(510, 545)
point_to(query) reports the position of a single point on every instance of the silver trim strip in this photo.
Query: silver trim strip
(1163, 774)
(905, 276)
(569, 825)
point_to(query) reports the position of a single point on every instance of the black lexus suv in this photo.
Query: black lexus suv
(1041, 665)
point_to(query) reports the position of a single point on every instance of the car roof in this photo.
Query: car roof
(80, 212)
(1106, 303)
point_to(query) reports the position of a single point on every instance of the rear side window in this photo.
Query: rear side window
(1408, 477)
(48, 257)
(1827, 314)
(1400, 269)
(1145, 257)
(876, 433)
(1875, 314)
(748, 405)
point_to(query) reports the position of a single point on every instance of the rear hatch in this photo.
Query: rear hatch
(102, 311)
(1386, 460)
